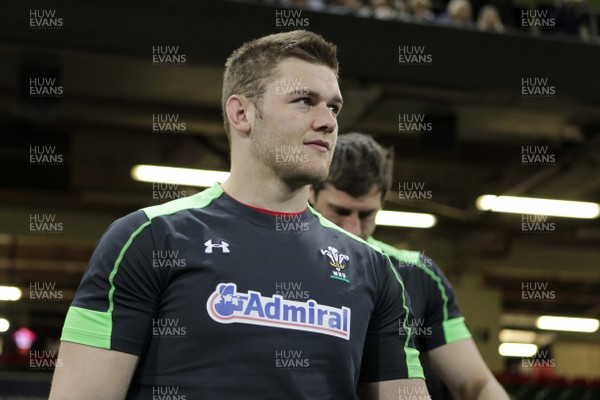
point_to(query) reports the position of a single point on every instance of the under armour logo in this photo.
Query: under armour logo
(224, 246)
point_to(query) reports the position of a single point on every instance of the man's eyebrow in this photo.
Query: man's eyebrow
(338, 99)
(369, 211)
(314, 94)
(340, 208)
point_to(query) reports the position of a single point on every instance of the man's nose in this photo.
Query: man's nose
(351, 223)
(324, 121)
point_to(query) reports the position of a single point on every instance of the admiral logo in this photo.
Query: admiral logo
(337, 262)
(227, 306)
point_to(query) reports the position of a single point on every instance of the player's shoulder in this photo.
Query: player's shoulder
(329, 228)
(134, 223)
(401, 255)
(408, 258)
(175, 207)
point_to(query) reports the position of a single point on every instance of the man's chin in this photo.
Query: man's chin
(303, 178)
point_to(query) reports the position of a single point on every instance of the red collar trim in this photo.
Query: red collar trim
(265, 211)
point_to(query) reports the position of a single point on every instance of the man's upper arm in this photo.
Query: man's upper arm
(91, 373)
(473, 380)
(393, 390)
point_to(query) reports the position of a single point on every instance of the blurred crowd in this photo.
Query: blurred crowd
(565, 17)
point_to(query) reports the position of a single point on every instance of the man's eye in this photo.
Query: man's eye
(365, 215)
(303, 100)
(334, 110)
(343, 213)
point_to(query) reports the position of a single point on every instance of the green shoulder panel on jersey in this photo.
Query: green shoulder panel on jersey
(412, 355)
(454, 328)
(199, 200)
(94, 328)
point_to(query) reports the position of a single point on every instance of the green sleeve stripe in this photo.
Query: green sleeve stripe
(111, 304)
(455, 329)
(414, 257)
(406, 310)
(415, 370)
(440, 287)
(92, 328)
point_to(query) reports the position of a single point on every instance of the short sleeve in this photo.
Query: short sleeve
(119, 292)
(443, 313)
(389, 351)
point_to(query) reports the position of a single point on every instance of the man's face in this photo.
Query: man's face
(354, 214)
(297, 132)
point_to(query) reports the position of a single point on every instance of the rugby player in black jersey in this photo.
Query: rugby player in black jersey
(360, 176)
(213, 327)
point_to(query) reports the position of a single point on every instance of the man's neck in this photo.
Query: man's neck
(263, 190)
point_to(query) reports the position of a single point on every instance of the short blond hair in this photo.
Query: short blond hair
(249, 67)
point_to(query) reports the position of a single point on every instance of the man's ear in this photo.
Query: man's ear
(238, 110)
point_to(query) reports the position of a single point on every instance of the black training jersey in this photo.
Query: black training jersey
(436, 316)
(222, 301)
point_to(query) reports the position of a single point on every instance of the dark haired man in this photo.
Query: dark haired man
(360, 175)
(244, 338)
